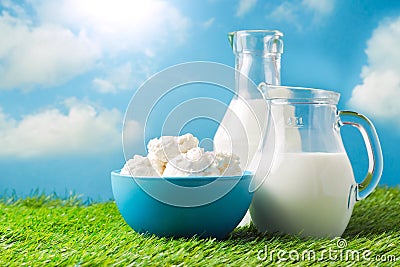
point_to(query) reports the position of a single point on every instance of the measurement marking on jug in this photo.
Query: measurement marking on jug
(295, 122)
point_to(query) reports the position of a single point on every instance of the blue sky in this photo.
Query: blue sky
(68, 69)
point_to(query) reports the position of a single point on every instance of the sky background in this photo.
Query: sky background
(68, 69)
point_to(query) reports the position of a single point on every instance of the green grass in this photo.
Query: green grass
(44, 230)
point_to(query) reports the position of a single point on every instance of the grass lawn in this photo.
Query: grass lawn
(48, 231)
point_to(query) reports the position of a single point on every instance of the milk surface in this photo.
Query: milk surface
(310, 194)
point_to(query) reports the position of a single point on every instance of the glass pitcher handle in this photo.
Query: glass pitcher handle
(375, 158)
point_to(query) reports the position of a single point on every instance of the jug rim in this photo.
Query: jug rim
(297, 94)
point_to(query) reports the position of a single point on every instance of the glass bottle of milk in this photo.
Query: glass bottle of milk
(258, 60)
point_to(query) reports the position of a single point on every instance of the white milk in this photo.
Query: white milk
(241, 129)
(306, 194)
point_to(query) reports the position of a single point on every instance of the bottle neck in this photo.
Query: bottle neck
(258, 67)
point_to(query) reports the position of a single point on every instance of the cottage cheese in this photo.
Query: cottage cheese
(195, 162)
(139, 166)
(172, 156)
(166, 148)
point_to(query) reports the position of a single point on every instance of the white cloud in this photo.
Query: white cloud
(123, 77)
(133, 133)
(45, 55)
(319, 6)
(83, 129)
(208, 23)
(13, 8)
(245, 6)
(46, 43)
(120, 78)
(379, 93)
(284, 12)
(119, 25)
(294, 12)
(104, 86)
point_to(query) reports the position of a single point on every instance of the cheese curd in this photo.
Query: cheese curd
(180, 156)
(139, 166)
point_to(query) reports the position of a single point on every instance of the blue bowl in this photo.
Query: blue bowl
(182, 206)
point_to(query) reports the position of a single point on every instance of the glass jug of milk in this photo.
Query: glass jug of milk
(257, 54)
(309, 189)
